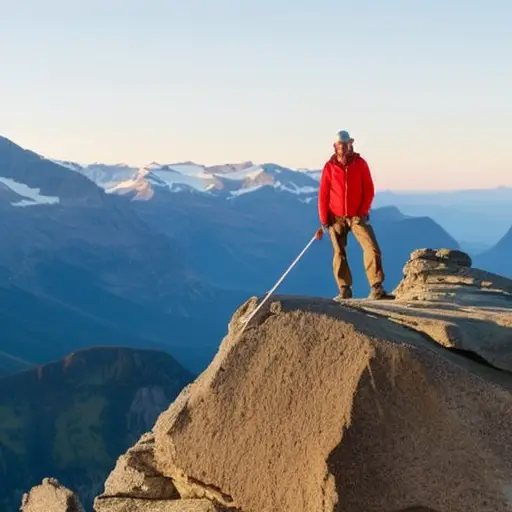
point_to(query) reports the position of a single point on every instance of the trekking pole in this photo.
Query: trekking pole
(316, 236)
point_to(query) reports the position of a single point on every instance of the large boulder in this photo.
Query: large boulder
(374, 406)
(50, 496)
(461, 308)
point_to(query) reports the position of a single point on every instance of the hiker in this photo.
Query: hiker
(344, 199)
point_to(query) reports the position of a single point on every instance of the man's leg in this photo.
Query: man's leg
(372, 256)
(338, 232)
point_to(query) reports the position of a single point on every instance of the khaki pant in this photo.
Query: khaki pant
(365, 235)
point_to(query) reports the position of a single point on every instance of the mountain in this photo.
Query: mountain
(477, 217)
(254, 220)
(104, 175)
(259, 194)
(184, 244)
(474, 216)
(253, 238)
(474, 248)
(90, 252)
(319, 406)
(499, 257)
(36, 329)
(226, 180)
(73, 417)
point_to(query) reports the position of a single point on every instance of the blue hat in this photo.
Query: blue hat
(343, 136)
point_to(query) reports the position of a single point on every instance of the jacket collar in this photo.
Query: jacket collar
(353, 157)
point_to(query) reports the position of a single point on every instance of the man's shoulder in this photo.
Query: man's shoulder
(361, 161)
(328, 165)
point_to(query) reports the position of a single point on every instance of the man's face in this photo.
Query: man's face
(342, 148)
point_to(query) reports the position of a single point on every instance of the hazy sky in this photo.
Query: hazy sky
(423, 86)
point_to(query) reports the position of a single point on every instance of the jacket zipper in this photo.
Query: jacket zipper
(346, 190)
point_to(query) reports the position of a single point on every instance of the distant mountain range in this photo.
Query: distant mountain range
(476, 218)
(498, 258)
(87, 255)
(228, 180)
(253, 220)
(161, 256)
(72, 418)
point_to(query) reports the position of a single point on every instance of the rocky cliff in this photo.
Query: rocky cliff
(374, 406)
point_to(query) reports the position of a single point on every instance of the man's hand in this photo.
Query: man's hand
(320, 233)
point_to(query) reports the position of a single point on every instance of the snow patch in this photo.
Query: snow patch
(32, 196)
(243, 191)
(294, 189)
(245, 174)
(107, 176)
(187, 169)
(170, 178)
(313, 174)
(68, 165)
(148, 178)
(245, 177)
(228, 168)
(316, 175)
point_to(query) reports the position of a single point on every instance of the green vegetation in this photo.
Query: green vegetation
(78, 440)
(12, 428)
(71, 419)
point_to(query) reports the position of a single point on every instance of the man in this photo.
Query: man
(344, 201)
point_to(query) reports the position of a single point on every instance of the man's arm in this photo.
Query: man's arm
(323, 196)
(368, 190)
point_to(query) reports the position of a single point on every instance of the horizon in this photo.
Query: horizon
(164, 81)
(397, 191)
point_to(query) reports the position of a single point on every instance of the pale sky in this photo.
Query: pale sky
(424, 86)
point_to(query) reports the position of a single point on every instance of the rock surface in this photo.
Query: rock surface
(135, 485)
(374, 406)
(50, 496)
(459, 307)
(317, 406)
(146, 505)
(135, 477)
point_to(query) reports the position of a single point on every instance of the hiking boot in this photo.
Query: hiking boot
(345, 293)
(377, 292)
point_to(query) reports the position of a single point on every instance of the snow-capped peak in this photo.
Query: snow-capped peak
(231, 179)
(69, 165)
(25, 195)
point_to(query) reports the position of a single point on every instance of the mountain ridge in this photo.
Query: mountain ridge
(92, 253)
(452, 208)
(499, 257)
(73, 416)
(473, 216)
(37, 173)
(384, 195)
(153, 253)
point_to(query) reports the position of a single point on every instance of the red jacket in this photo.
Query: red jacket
(345, 192)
